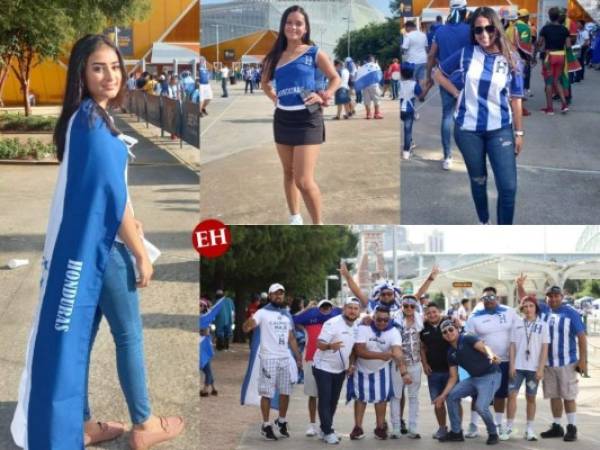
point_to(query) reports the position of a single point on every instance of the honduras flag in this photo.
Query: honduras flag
(206, 349)
(368, 74)
(86, 213)
(249, 395)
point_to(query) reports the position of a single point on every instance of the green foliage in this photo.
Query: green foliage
(17, 122)
(379, 39)
(589, 288)
(32, 149)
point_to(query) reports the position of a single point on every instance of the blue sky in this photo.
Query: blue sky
(383, 5)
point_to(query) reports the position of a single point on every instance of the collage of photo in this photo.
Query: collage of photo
(231, 224)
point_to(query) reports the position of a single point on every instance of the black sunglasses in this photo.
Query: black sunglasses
(489, 29)
(409, 305)
(382, 319)
(448, 330)
(488, 298)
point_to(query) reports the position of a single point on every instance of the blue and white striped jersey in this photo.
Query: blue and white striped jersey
(565, 325)
(487, 82)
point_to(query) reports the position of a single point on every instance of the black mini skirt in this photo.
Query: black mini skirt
(299, 127)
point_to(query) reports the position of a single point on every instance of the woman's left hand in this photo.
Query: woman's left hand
(326, 97)
(314, 98)
(518, 144)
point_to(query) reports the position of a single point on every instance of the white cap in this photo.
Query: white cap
(352, 301)
(263, 295)
(324, 302)
(276, 287)
(458, 4)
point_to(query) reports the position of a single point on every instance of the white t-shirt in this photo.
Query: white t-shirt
(493, 329)
(582, 36)
(275, 330)
(415, 43)
(345, 76)
(225, 72)
(538, 332)
(335, 330)
(381, 343)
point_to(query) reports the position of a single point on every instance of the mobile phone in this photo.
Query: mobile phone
(311, 108)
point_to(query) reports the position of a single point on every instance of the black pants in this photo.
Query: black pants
(224, 87)
(251, 84)
(329, 387)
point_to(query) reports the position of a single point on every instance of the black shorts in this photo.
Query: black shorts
(298, 127)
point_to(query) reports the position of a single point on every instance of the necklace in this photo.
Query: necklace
(529, 328)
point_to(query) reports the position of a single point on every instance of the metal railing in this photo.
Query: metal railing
(180, 118)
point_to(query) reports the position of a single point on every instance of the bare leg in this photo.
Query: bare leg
(359, 412)
(339, 111)
(549, 96)
(380, 413)
(292, 194)
(284, 401)
(265, 408)
(499, 404)
(440, 415)
(560, 91)
(556, 406)
(305, 160)
(530, 407)
(570, 406)
(511, 408)
(312, 409)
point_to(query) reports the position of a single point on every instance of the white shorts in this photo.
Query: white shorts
(205, 92)
(274, 376)
(310, 385)
(371, 94)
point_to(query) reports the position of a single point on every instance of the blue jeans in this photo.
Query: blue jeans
(395, 88)
(329, 387)
(209, 379)
(448, 106)
(483, 389)
(408, 124)
(499, 147)
(437, 382)
(531, 384)
(419, 72)
(119, 303)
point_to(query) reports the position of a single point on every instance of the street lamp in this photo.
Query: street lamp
(216, 25)
(329, 277)
(348, 19)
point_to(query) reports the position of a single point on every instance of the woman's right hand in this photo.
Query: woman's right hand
(313, 98)
(518, 145)
(145, 271)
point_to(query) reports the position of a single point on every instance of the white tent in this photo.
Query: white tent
(163, 53)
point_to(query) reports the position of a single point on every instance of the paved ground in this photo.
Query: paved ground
(588, 413)
(165, 196)
(558, 170)
(358, 169)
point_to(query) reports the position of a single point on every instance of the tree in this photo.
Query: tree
(300, 258)
(590, 288)
(379, 39)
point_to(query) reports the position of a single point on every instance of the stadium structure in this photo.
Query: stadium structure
(237, 29)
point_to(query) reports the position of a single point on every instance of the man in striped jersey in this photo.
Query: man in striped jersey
(566, 357)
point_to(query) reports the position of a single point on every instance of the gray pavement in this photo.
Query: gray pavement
(558, 169)
(587, 422)
(165, 197)
(242, 180)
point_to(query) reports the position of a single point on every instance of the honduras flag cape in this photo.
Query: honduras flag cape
(86, 213)
(368, 74)
(250, 394)
(206, 350)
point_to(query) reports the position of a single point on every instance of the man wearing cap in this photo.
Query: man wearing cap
(332, 363)
(410, 325)
(448, 39)
(566, 356)
(376, 345)
(493, 324)
(224, 320)
(481, 363)
(276, 339)
(312, 320)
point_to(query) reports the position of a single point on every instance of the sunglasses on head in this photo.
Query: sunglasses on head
(382, 319)
(489, 29)
(448, 330)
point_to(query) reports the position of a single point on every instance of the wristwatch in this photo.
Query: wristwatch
(519, 133)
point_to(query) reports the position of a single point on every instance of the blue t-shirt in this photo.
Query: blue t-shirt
(469, 358)
(450, 38)
(565, 324)
(313, 316)
(294, 77)
(204, 76)
(432, 30)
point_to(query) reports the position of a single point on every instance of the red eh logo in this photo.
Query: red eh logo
(211, 238)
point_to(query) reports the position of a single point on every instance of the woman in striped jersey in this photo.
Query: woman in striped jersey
(488, 117)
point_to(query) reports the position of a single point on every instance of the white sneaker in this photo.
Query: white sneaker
(417, 116)
(296, 219)
(331, 438)
(504, 433)
(405, 154)
(396, 433)
(413, 145)
(472, 431)
(530, 435)
(311, 430)
(447, 164)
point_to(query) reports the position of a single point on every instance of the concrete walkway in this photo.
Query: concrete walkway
(558, 169)
(165, 197)
(242, 180)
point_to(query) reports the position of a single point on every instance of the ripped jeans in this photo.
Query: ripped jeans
(499, 146)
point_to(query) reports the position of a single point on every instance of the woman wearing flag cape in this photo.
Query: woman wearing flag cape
(298, 126)
(88, 272)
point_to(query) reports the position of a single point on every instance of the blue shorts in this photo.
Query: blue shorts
(531, 384)
(437, 382)
(502, 391)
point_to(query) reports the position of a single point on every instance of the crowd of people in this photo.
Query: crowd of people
(483, 67)
(172, 85)
(383, 345)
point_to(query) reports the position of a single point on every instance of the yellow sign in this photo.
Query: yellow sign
(462, 284)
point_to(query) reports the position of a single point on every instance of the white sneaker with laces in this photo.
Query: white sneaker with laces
(405, 154)
(447, 164)
(311, 430)
(296, 219)
(396, 433)
(530, 435)
(472, 431)
(504, 433)
(331, 438)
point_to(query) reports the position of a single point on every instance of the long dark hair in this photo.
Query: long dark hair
(272, 58)
(500, 39)
(76, 90)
